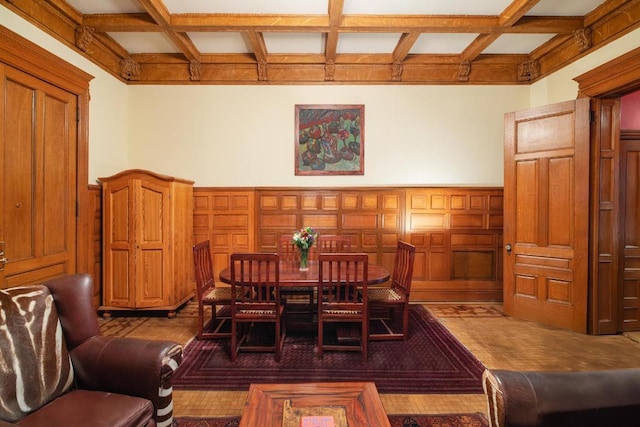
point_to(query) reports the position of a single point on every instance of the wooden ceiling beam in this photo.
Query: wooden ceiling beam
(406, 42)
(305, 23)
(515, 11)
(158, 11)
(335, 18)
(611, 20)
(258, 45)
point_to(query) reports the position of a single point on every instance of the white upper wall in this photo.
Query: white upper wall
(244, 135)
(560, 85)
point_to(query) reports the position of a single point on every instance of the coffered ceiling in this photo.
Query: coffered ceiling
(332, 41)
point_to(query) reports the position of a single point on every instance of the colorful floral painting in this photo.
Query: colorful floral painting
(329, 140)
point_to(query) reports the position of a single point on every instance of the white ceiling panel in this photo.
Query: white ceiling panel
(247, 6)
(145, 42)
(442, 43)
(294, 42)
(106, 6)
(367, 42)
(517, 43)
(564, 8)
(220, 42)
(426, 7)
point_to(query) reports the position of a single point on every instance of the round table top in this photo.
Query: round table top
(290, 274)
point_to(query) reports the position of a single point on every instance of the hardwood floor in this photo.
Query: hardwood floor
(498, 341)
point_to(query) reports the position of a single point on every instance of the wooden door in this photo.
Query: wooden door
(546, 222)
(38, 143)
(629, 290)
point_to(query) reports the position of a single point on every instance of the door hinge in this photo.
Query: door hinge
(77, 210)
(592, 116)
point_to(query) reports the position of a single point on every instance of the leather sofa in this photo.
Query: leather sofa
(549, 399)
(56, 369)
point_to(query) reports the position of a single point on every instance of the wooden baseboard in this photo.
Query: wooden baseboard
(456, 290)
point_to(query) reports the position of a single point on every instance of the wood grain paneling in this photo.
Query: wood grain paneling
(458, 237)
(371, 217)
(457, 232)
(225, 217)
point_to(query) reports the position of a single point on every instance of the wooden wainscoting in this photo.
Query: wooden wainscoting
(458, 237)
(226, 218)
(457, 231)
(371, 217)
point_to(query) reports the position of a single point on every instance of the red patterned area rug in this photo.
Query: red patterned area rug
(446, 420)
(430, 361)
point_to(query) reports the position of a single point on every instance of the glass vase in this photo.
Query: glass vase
(304, 257)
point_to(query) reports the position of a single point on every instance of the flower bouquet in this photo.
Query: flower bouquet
(304, 239)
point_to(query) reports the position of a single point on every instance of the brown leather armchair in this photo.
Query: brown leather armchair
(563, 399)
(56, 369)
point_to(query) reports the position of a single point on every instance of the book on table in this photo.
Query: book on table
(317, 421)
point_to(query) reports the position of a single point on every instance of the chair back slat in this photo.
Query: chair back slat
(403, 266)
(331, 243)
(255, 278)
(203, 267)
(288, 251)
(343, 277)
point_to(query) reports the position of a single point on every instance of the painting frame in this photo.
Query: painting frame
(329, 139)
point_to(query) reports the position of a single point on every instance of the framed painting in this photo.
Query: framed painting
(329, 140)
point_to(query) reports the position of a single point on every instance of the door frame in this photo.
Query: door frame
(30, 58)
(605, 84)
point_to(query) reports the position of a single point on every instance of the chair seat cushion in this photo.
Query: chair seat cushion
(383, 294)
(217, 295)
(82, 408)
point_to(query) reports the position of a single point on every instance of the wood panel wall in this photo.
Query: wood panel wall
(458, 237)
(226, 218)
(457, 231)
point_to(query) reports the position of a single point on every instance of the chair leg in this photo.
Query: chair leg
(276, 343)
(405, 321)
(364, 338)
(234, 340)
(320, 337)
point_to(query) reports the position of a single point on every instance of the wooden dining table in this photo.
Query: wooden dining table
(292, 276)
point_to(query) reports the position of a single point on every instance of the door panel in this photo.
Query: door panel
(38, 143)
(629, 301)
(546, 214)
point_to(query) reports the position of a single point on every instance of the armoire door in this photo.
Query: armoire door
(546, 214)
(38, 143)
(153, 266)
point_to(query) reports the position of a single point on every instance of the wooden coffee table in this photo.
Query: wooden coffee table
(360, 400)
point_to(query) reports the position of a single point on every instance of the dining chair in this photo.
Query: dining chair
(343, 304)
(396, 296)
(255, 300)
(288, 251)
(333, 243)
(218, 325)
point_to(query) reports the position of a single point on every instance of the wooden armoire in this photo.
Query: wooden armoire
(147, 242)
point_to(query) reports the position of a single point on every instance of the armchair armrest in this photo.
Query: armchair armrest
(550, 399)
(135, 367)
